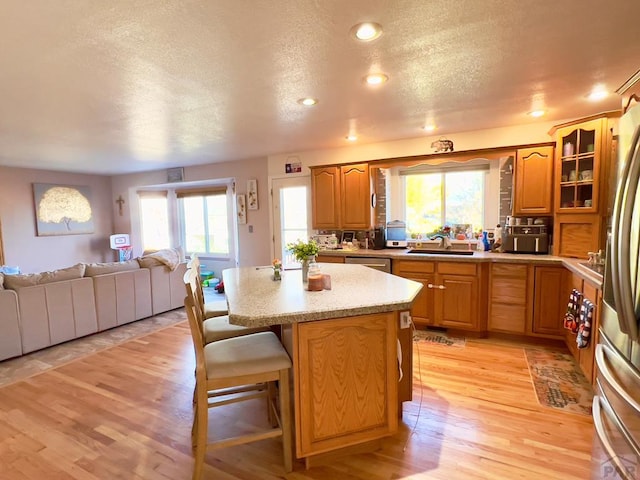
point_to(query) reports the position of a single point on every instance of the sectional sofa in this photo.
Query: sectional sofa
(44, 309)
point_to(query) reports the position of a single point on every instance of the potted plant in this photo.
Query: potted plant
(304, 252)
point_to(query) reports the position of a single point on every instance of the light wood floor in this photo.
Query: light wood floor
(125, 413)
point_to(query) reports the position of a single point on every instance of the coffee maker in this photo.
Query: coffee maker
(379, 239)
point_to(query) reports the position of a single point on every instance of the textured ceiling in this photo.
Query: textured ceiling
(122, 86)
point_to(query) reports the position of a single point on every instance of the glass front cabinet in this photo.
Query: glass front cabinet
(579, 167)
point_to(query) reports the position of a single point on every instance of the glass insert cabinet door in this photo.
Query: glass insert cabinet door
(579, 167)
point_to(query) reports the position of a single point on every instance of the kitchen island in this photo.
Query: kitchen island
(343, 344)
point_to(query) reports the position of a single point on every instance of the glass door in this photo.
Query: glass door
(291, 215)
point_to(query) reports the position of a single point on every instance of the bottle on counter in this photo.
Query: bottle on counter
(333, 241)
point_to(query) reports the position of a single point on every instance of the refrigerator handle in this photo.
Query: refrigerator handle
(603, 369)
(626, 306)
(600, 403)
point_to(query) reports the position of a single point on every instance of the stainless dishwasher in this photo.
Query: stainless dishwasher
(383, 264)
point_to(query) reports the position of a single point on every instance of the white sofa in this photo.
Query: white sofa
(40, 310)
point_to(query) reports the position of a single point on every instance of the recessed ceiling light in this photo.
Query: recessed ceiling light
(351, 138)
(429, 128)
(376, 78)
(367, 31)
(308, 102)
(598, 93)
(536, 113)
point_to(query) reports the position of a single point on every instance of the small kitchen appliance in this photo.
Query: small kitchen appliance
(379, 240)
(526, 239)
(397, 234)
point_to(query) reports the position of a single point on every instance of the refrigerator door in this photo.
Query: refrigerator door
(616, 416)
(612, 457)
(625, 243)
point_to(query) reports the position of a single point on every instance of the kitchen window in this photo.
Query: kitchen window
(434, 197)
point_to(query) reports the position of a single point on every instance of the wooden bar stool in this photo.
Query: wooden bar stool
(210, 309)
(217, 327)
(229, 366)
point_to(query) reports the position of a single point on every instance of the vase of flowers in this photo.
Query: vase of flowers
(304, 252)
(277, 269)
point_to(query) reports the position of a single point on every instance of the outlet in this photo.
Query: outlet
(405, 319)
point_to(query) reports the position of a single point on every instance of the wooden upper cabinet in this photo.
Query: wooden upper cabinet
(341, 197)
(355, 190)
(325, 197)
(534, 181)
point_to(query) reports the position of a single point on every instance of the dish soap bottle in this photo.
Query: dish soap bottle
(485, 241)
(333, 242)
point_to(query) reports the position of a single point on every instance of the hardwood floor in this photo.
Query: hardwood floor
(125, 413)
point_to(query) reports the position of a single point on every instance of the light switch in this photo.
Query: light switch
(250, 228)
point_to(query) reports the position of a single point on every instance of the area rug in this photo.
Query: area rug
(19, 368)
(436, 337)
(558, 381)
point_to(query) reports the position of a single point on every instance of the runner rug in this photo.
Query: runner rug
(558, 381)
(437, 337)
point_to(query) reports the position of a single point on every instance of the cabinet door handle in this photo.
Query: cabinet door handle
(440, 287)
(430, 285)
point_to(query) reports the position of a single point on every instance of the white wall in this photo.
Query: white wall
(22, 246)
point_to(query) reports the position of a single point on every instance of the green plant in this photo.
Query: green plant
(302, 250)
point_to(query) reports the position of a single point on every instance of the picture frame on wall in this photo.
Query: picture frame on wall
(242, 209)
(252, 194)
(62, 209)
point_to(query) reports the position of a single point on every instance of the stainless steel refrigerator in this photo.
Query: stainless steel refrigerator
(616, 405)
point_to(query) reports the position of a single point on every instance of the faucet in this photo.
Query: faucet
(445, 241)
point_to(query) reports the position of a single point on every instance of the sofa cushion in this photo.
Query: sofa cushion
(1, 281)
(93, 269)
(28, 280)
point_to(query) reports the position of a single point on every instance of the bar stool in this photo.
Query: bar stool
(217, 327)
(229, 366)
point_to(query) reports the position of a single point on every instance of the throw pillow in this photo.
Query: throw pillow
(14, 282)
(1, 281)
(93, 269)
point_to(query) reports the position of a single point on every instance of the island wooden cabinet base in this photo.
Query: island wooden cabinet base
(345, 380)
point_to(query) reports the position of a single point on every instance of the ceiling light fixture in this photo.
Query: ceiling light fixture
(429, 128)
(308, 101)
(598, 93)
(375, 79)
(351, 138)
(367, 31)
(536, 113)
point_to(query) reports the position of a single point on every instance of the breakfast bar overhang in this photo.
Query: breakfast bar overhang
(352, 360)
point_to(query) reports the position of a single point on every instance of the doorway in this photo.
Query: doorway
(291, 215)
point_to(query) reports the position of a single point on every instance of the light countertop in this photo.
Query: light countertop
(573, 264)
(255, 299)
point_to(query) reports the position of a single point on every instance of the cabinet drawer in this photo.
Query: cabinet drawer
(451, 268)
(408, 266)
(508, 318)
(509, 290)
(508, 270)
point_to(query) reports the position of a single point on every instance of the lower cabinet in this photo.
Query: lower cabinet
(450, 296)
(585, 356)
(509, 298)
(549, 301)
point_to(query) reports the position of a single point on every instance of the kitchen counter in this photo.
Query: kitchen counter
(345, 345)
(256, 300)
(573, 264)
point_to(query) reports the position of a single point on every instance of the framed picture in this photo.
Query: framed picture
(175, 174)
(242, 209)
(348, 236)
(62, 209)
(252, 194)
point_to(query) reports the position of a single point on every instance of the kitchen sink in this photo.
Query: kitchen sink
(440, 251)
(594, 268)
